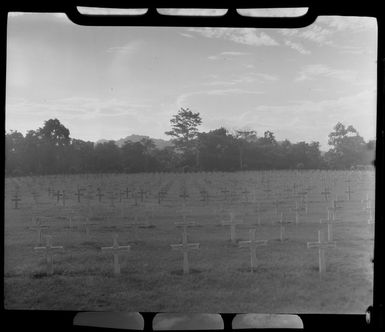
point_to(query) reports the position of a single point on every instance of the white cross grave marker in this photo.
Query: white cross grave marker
(39, 227)
(49, 253)
(252, 244)
(322, 246)
(115, 251)
(281, 228)
(233, 223)
(185, 247)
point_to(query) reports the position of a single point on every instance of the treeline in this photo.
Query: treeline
(51, 150)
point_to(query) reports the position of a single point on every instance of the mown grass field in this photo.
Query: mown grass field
(286, 280)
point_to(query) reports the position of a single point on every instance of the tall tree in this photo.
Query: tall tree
(244, 138)
(54, 132)
(184, 130)
(14, 153)
(348, 147)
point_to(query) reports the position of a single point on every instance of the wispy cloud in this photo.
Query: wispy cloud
(184, 99)
(129, 48)
(246, 78)
(246, 36)
(316, 34)
(352, 23)
(188, 35)
(297, 46)
(297, 119)
(227, 54)
(311, 72)
(74, 107)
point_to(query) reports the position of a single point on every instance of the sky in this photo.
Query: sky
(111, 82)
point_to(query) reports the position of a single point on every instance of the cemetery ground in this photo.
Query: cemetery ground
(146, 212)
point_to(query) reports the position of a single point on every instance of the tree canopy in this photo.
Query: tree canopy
(51, 150)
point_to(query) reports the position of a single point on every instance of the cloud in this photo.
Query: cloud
(127, 49)
(297, 46)
(249, 77)
(246, 36)
(182, 99)
(316, 34)
(310, 72)
(226, 54)
(351, 23)
(313, 120)
(288, 32)
(188, 35)
(73, 108)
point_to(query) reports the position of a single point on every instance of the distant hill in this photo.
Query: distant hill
(159, 143)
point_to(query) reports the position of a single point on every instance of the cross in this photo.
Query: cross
(135, 224)
(121, 194)
(303, 195)
(185, 247)
(277, 203)
(35, 197)
(39, 227)
(329, 223)
(370, 220)
(252, 244)
(297, 209)
(135, 196)
(99, 194)
(225, 192)
(126, 192)
(205, 195)
(246, 194)
(258, 209)
(349, 192)
(115, 251)
(49, 253)
(184, 195)
(281, 228)
(142, 194)
(161, 195)
(16, 199)
(232, 222)
(111, 197)
(267, 190)
(367, 202)
(64, 198)
(184, 224)
(87, 225)
(79, 194)
(57, 194)
(326, 194)
(322, 246)
(332, 210)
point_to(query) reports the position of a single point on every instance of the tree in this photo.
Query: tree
(348, 147)
(107, 157)
(244, 138)
(54, 132)
(14, 152)
(218, 151)
(185, 132)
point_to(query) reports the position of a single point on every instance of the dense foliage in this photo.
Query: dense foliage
(50, 150)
